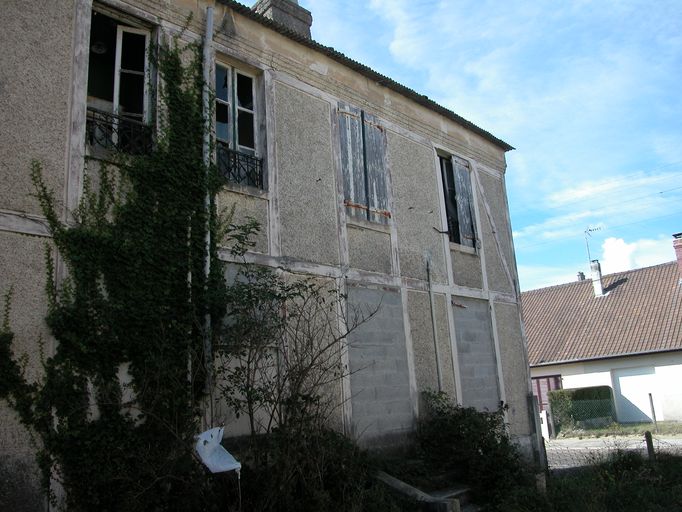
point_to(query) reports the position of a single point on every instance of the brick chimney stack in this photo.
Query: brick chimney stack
(287, 13)
(677, 245)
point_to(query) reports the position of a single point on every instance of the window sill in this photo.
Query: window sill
(463, 248)
(246, 190)
(371, 226)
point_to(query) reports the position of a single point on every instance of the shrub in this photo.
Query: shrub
(474, 446)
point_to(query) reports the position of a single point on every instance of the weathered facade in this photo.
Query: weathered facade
(352, 176)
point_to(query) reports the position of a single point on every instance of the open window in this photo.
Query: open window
(118, 86)
(235, 127)
(363, 162)
(456, 176)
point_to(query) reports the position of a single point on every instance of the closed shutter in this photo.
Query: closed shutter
(375, 166)
(464, 202)
(352, 161)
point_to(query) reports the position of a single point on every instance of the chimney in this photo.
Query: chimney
(287, 13)
(677, 245)
(581, 276)
(596, 278)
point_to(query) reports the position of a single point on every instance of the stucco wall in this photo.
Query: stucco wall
(421, 330)
(307, 190)
(514, 368)
(369, 249)
(35, 87)
(246, 207)
(417, 210)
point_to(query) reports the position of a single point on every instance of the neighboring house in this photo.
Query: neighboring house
(622, 330)
(353, 177)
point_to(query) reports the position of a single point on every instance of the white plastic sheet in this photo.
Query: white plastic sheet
(216, 458)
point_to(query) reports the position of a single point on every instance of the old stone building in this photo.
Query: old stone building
(353, 177)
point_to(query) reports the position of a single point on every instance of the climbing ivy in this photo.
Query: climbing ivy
(118, 403)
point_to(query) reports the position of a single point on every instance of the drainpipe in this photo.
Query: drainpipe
(433, 325)
(206, 96)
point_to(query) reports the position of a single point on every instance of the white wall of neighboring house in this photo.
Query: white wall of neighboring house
(632, 379)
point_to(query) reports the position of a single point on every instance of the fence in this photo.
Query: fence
(570, 453)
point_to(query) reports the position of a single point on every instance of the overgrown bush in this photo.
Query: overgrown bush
(475, 447)
(311, 471)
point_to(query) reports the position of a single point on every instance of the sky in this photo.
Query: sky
(589, 92)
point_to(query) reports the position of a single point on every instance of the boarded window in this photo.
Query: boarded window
(456, 178)
(363, 163)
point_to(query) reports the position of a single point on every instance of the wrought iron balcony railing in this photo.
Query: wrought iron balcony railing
(111, 132)
(237, 167)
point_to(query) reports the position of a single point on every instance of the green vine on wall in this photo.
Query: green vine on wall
(116, 409)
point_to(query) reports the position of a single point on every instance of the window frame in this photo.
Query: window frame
(118, 70)
(234, 109)
(459, 201)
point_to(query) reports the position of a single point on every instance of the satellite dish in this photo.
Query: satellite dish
(216, 458)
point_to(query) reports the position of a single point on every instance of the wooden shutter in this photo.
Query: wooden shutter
(464, 202)
(375, 168)
(352, 161)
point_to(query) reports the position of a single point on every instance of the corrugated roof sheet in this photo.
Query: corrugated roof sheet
(641, 312)
(366, 71)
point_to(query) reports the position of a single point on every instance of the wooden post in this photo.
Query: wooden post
(650, 446)
(653, 412)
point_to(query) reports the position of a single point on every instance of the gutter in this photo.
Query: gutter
(602, 358)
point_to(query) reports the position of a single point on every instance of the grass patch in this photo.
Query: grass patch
(626, 482)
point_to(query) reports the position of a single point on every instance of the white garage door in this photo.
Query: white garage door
(631, 392)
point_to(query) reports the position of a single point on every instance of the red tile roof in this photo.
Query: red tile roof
(640, 312)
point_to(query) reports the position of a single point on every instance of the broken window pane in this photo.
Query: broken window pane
(222, 114)
(245, 124)
(221, 83)
(244, 92)
(131, 95)
(133, 52)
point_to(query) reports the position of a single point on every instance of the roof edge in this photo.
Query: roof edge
(380, 79)
(602, 358)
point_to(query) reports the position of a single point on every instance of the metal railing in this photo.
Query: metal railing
(236, 167)
(112, 132)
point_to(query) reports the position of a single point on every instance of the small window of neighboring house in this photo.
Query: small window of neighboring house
(363, 163)
(118, 87)
(456, 176)
(235, 127)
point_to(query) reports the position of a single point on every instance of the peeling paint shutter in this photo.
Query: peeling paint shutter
(375, 167)
(352, 161)
(464, 205)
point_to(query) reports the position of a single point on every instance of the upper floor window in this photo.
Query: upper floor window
(456, 177)
(363, 163)
(235, 127)
(118, 86)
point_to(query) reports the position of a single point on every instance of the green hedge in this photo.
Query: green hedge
(581, 408)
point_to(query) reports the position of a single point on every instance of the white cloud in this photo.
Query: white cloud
(532, 277)
(618, 255)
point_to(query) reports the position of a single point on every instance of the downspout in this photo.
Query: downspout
(206, 96)
(433, 325)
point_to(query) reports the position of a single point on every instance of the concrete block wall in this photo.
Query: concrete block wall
(382, 411)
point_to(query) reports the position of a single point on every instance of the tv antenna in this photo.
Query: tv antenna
(588, 235)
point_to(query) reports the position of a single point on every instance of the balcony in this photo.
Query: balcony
(236, 167)
(110, 132)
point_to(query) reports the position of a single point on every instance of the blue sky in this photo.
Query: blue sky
(588, 91)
